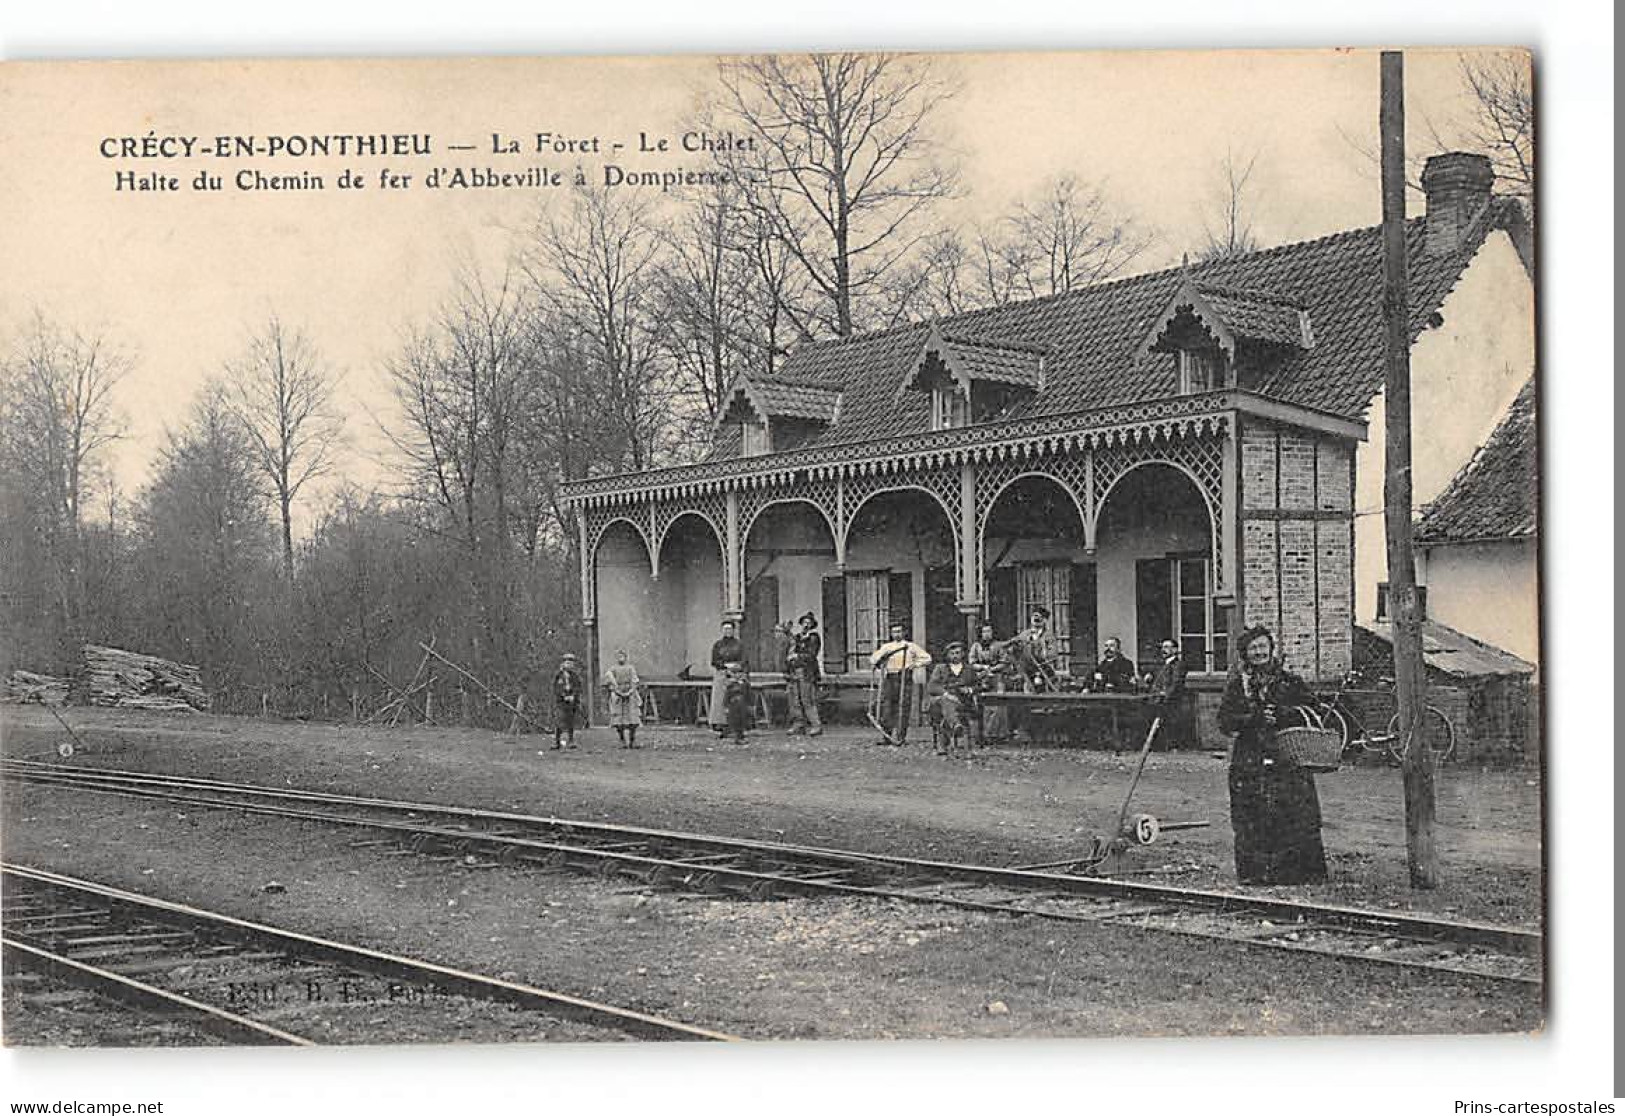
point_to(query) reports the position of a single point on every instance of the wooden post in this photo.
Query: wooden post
(1421, 848)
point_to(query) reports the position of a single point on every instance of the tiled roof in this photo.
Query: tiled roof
(1260, 317)
(999, 361)
(802, 401)
(1093, 338)
(1496, 495)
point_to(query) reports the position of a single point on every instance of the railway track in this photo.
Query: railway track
(1502, 955)
(243, 982)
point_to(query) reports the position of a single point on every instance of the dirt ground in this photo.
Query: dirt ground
(1002, 807)
(827, 969)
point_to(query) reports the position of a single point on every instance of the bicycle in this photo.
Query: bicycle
(1436, 731)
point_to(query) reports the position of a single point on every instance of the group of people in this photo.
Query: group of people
(1274, 807)
(623, 687)
(1024, 663)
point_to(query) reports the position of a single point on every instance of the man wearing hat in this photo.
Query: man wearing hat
(801, 675)
(951, 696)
(895, 662)
(1034, 651)
(567, 698)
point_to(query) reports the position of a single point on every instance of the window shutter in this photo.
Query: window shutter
(1153, 608)
(1085, 635)
(1001, 601)
(900, 602)
(833, 624)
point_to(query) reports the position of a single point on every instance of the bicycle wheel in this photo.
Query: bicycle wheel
(1436, 733)
(1339, 723)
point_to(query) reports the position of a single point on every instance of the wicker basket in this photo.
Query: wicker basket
(1311, 746)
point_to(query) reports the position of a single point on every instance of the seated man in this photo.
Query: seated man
(1033, 652)
(951, 697)
(1116, 672)
(894, 662)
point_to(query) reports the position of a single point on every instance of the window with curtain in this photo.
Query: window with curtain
(1048, 584)
(867, 615)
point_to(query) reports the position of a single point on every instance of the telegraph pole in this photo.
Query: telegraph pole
(1421, 849)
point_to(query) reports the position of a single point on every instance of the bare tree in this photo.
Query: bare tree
(1227, 224)
(1502, 121)
(57, 416)
(206, 548)
(597, 269)
(282, 393)
(706, 318)
(1068, 237)
(1065, 237)
(842, 163)
(463, 386)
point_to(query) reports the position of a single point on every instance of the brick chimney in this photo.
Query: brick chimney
(1457, 185)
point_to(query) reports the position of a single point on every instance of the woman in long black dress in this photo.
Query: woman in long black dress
(1274, 809)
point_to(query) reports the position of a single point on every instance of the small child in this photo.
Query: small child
(567, 693)
(736, 700)
(625, 699)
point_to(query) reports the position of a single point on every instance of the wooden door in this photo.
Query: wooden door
(761, 613)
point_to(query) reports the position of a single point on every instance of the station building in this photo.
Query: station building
(1177, 454)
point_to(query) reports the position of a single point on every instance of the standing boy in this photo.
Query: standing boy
(567, 695)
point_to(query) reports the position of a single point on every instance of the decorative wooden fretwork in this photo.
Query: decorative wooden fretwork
(862, 486)
(1068, 471)
(1201, 459)
(599, 520)
(1086, 462)
(709, 506)
(820, 493)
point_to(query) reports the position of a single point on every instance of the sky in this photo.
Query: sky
(182, 278)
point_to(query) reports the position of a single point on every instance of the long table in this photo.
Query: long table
(1069, 701)
(688, 700)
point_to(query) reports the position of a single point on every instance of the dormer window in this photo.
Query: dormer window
(773, 416)
(753, 438)
(1200, 370)
(949, 407)
(1218, 335)
(973, 379)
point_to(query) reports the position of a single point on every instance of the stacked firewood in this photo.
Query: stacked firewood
(26, 686)
(129, 680)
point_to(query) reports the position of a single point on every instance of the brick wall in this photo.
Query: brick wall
(1297, 575)
(1257, 466)
(1334, 562)
(1298, 472)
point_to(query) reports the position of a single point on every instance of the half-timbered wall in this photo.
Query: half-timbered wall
(1296, 515)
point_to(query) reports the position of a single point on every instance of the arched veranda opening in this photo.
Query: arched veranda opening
(665, 623)
(627, 596)
(1154, 569)
(1034, 555)
(900, 553)
(789, 552)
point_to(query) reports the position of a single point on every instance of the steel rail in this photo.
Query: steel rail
(366, 959)
(1147, 904)
(234, 1028)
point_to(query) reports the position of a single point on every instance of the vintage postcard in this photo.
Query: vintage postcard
(805, 546)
